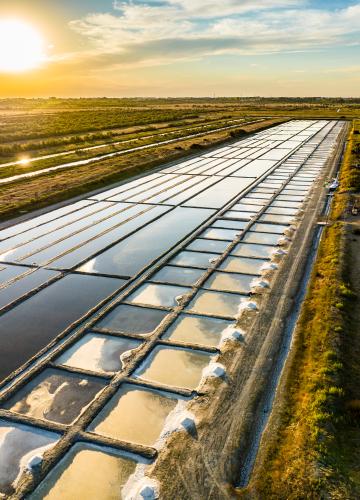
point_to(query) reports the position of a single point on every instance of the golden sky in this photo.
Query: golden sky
(179, 48)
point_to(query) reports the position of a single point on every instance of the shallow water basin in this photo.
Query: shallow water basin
(220, 234)
(177, 275)
(158, 295)
(194, 259)
(203, 245)
(88, 472)
(229, 282)
(216, 303)
(174, 367)
(98, 353)
(276, 218)
(198, 330)
(245, 216)
(281, 211)
(132, 319)
(55, 395)
(135, 414)
(255, 251)
(243, 265)
(19, 444)
(269, 228)
(262, 238)
(245, 207)
(230, 224)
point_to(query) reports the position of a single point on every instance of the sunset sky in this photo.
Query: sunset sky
(182, 48)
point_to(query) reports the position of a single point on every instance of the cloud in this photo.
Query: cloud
(209, 8)
(162, 32)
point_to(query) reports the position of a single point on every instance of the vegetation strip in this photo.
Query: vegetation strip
(63, 185)
(312, 452)
(88, 161)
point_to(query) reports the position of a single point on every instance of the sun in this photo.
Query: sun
(21, 46)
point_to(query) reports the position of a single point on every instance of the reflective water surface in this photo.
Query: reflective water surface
(197, 330)
(229, 224)
(285, 219)
(15, 289)
(264, 238)
(173, 366)
(135, 414)
(194, 259)
(216, 303)
(233, 214)
(132, 319)
(216, 246)
(88, 472)
(98, 352)
(158, 295)
(229, 282)
(40, 318)
(18, 445)
(269, 228)
(218, 195)
(136, 251)
(243, 265)
(177, 275)
(220, 234)
(256, 251)
(55, 395)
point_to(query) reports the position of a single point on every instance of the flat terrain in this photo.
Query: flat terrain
(120, 300)
(312, 448)
(43, 134)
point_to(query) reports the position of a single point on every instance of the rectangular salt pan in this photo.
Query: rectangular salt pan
(262, 238)
(220, 304)
(230, 282)
(99, 353)
(55, 395)
(278, 219)
(135, 414)
(208, 246)
(158, 295)
(88, 472)
(243, 265)
(252, 250)
(269, 228)
(194, 259)
(173, 367)
(230, 224)
(132, 319)
(19, 444)
(246, 216)
(198, 330)
(221, 234)
(177, 276)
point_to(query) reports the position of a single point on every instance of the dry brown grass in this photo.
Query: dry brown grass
(50, 188)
